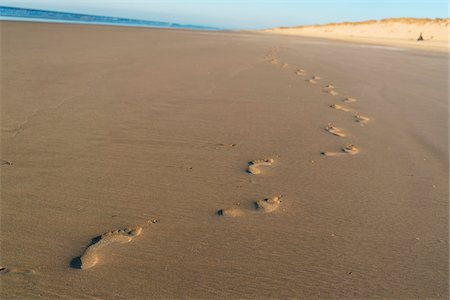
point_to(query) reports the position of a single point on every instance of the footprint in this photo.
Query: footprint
(5, 162)
(253, 166)
(339, 107)
(349, 149)
(274, 61)
(316, 78)
(349, 100)
(268, 205)
(300, 72)
(284, 65)
(312, 81)
(361, 119)
(226, 145)
(334, 130)
(13, 270)
(91, 255)
(332, 92)
(329, 88)
(231, 212)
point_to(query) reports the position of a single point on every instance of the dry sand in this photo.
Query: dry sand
(402, 32)
(105, 128)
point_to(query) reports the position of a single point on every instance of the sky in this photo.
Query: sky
(246, 14)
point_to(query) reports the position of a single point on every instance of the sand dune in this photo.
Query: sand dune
(430, 34)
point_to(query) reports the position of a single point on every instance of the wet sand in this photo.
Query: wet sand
(182, 164)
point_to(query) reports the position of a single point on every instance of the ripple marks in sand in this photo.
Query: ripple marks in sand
(334, 130)
(254, 166)
(349, 149)
(91, 255)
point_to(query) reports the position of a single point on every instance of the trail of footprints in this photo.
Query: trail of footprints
(331, 90)
(91, 255)
(266, 205)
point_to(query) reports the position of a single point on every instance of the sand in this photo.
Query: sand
(403, 32)
(105, 128)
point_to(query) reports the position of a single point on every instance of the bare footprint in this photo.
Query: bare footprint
(340, 107)
(332, 92)
(300, 72)
(91, 255)
(5, 162)
(349, 100)
(361, 119)
(284, 65)
(231, 212)
(13, 270)
(253, 166)
(349, 149)
(226, 145)
(313, 80)
(274, 61)
(334, 130)
(268, 205)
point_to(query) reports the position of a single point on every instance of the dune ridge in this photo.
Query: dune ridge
(424, 33)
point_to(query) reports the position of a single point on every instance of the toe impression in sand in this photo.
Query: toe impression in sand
(254, 166)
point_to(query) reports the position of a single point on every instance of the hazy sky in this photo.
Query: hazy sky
(246, 14)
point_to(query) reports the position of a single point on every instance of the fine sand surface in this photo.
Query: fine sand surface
(149, 163)
(403, 32)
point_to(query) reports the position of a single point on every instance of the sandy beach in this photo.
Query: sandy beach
(149, 163)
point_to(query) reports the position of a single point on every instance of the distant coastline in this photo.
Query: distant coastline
(37, 15)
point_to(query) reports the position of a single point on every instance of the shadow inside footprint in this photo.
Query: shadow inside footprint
(76, 263)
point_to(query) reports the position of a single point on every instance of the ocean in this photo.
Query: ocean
(36, 15)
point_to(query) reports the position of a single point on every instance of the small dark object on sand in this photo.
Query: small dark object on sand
(420, 38)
